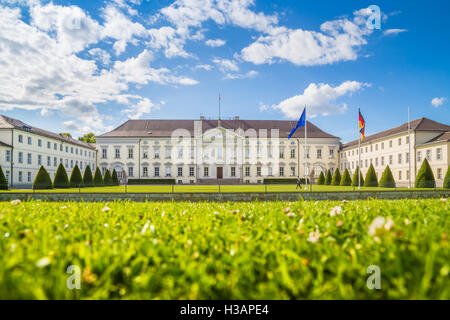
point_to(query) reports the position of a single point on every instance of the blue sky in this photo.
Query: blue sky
(82, 66)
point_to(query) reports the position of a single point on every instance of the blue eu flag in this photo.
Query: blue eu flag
(301, 123)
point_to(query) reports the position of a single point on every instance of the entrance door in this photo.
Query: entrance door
(219, 172)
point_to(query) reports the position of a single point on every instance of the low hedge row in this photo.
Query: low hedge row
(151, 181)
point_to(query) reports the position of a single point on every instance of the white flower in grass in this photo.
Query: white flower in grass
(314, 236)
(106, 209)
(6, 235)
(389, 224)
(444, 199)
(16, 202)
(291, 215)
(106, 225)
(407, 221)
(43, 262)
(152, 228)
(145, 227)
(335, 211)
(63, 207)
(376, 225)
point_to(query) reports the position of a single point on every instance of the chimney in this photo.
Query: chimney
(236, 117)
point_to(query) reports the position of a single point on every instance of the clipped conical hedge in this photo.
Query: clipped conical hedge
(336, 178)
(371, 178)
(387, 179)
(76, 180)
(107, 179)
(346, 180)
(447, 179)
(321, 179)
(88, 181)
(328, 178)
(42, 180)
(425, 177)
(98, 180)
(3, 181)
(115, 179)
(61, 180)
(355, 180)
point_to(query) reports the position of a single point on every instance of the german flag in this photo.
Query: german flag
(362, 125)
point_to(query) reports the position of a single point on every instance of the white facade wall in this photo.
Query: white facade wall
(190, 159)
(31, 150)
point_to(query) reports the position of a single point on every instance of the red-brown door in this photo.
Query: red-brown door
(219, 172)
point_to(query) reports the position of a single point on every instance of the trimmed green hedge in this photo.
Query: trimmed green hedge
(425, 177)
(336, 178)
(387, 179)
(107, 179)
(371, 177)
(151, 181)
(76, 180)
(61, 180)
(42, 180)
(98, 179)
(355, 181)
(88, 181)
(282, 181)
(115, 179)
(328, 178)
(447, 179)
(346, 180)
(3, 181)
(321, 179)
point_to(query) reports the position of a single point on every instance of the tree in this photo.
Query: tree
(371, 178)
(61, 180)
(355, 181)
(115, 179)
(346, 180)
(98, 180)
(42, 180)
(336, 178)
(107, 179)
(321, 179)
(447, 179)
(328, 178)
(88, 181)
(387, 179)
(88, 138)
(3, 181)
(76, 180)
(66, 134)
(425, 176)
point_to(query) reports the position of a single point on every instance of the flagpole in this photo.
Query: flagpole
(305, 146)
(409, 149)
(359, 153)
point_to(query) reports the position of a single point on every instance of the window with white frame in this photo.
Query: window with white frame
(331, 153)
(104, 153)
(39, 159)
(168, 152)
(439, 173)
(292, 171)
(205, 171)
(168, 171)
(399, 158)
(270, 171)
(156, 153)
(117, 153)
(130, 153)
(281, 171)
(130, 171)
(8, 156)
(191, 171)
(438, 154)
(20, 176)
(390, 159)
(29, 176)
(247, 171)
(281, 153)
(156, 171)
(29, 158)
(29, 140)
(292, 153)
(145, 171)
(382, 161)
(419, 156)
(233, 172)
(258, 171)
(20, 155)
(428, 154)
(20, 138)
(180, 171)
(39, 143)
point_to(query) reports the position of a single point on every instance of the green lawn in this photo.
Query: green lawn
(266, 250)
(208, 188)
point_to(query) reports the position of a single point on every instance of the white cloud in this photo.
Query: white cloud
(339, 40)
(206, 67)
(215, 43)
(263, 107)
(118, 26)
(137, 111)
(320, 99)
(436, 102)
(40, 71)
(393, 32)
(250, 74)
(226, 64)
(100, 55)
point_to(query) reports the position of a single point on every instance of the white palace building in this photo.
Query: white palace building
(222, 151)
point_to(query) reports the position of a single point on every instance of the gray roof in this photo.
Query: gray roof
(2, 144)
(443, 137)
(11, 123)
(164, 128)
(421, 124)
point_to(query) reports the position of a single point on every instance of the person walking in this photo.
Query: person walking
(299, 185)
